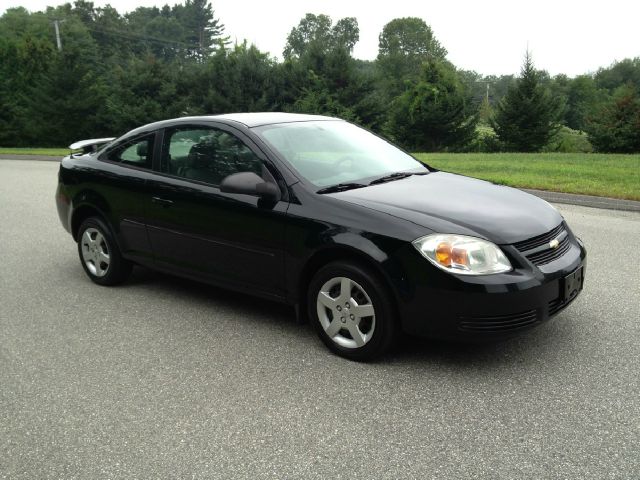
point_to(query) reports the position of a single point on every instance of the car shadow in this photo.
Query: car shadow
(545, 340)
(211, 294)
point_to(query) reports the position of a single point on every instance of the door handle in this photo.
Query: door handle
(162, 201)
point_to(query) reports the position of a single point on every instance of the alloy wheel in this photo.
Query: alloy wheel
(95, 252)
(346, 312)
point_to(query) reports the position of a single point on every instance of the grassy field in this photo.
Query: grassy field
(605, 175)
(55, 152)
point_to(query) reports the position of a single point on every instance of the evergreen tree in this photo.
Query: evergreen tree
(525, 119)
(436, 113)
(61, 106)
(201, 28)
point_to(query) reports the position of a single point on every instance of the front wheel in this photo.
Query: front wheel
(100, 255)
(351, 311)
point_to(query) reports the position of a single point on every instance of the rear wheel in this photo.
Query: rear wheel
(100, 255)
(351, 311)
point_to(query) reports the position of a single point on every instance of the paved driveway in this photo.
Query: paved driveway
(166, 378)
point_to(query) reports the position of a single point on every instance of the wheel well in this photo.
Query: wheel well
(79, 216)
(322, 258)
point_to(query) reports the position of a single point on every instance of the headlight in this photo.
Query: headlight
(463, 255)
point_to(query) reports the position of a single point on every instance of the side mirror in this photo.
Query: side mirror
(248, 183)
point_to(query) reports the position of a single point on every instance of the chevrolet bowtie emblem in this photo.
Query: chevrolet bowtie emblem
(554, 243)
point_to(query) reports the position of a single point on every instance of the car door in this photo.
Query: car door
(231, 239)
(121, 192)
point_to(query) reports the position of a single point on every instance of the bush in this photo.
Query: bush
(568, 140)
(485, 140)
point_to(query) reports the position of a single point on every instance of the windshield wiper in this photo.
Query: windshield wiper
(341, 187)
(391, 177)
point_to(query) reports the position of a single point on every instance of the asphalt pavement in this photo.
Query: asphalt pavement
(167, 378)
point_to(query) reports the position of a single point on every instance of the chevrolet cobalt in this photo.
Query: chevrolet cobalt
(361, 238)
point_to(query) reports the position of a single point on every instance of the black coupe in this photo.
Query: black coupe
(364, 240)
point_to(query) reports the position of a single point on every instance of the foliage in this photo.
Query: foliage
(405, 44)
(321, 75)
(316, 32)
(567, 140)
(618, 74)
(479, 86)
(410, 37)
(525, 119)
(484, 140)
(582, 98)
(435, 113)
(116, 71)
(616, 126)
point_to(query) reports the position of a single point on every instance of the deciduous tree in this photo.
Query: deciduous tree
(316, 33)
(404, 45)
(616, 126)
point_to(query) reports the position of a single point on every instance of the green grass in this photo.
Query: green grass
(605, 175)
(54, 152)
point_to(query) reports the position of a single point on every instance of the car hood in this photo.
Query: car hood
(449, 203)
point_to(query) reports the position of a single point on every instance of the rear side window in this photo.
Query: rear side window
(206, 154)
(136, 152)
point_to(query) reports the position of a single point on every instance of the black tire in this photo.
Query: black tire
(117, 269)
(383, 334)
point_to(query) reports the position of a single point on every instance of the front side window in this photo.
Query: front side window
(332, 152)
(206, 154)
(136, 152)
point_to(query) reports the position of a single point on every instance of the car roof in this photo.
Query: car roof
(268, 118)
(249, 120)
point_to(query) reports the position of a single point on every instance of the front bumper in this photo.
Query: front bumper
(437, 304)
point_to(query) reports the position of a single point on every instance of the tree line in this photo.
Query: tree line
(112, 72)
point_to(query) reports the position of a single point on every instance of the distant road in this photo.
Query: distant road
(30, 157)
(166, 378)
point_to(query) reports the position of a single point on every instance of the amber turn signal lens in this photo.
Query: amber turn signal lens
(443, 254)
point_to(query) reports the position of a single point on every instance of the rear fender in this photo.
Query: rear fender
(82, 205)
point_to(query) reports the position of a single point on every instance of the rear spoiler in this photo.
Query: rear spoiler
(91, 145)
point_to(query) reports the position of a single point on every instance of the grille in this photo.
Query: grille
(537, 249)
(535, 242)
(498, 323)
(550, 254)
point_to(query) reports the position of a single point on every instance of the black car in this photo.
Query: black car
(364, 240)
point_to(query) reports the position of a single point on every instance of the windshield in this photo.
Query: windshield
(334, 152)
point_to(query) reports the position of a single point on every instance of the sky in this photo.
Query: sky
(488, 36)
